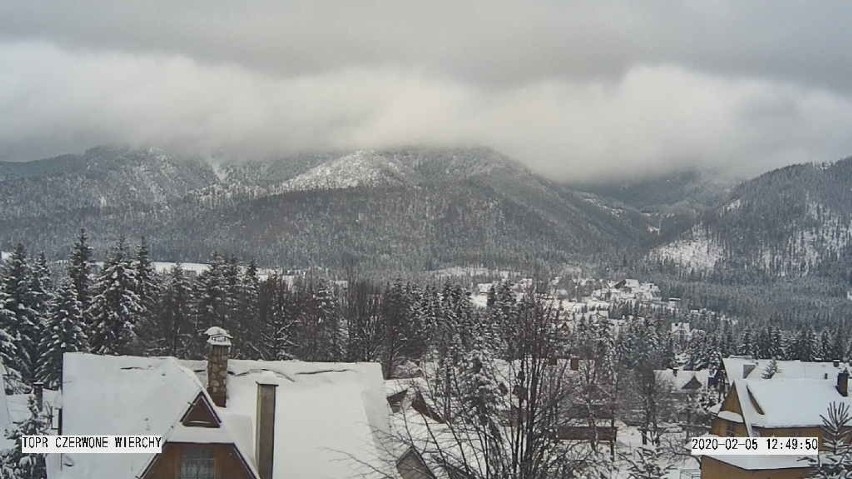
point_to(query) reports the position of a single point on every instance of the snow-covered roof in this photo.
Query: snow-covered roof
(785, 369)
(681, 379)
(329, 419)
(760, 463)
(787, 402)
(121, 395)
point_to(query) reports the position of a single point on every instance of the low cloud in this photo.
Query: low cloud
(651, 117)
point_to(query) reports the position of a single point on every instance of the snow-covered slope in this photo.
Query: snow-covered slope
(361, 168)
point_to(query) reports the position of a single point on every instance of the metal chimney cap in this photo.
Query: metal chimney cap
(218, 336)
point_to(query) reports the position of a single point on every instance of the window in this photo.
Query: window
(198, 463)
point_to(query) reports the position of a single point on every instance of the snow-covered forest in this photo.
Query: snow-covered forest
(124, 306)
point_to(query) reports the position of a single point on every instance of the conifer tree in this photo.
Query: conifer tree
(14, 462)
(116, 308)
(80, 270)
(836, 460)
(172, 322)
(23, 328)
(146, 277)
(63, 332)
(8, 349)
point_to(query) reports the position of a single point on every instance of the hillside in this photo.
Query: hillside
(790, 222)
(416, 208)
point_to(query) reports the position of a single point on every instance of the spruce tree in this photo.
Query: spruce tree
(146, 278)
(172, 320)
(80, 270)
(8, 349)
(17, 464)
(63, 332)
(19, 298)
(836, 460)
(115, 308)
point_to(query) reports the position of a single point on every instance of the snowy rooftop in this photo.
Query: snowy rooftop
(759, 463)
(685, 380)
(329, 417)
(786, 402)
(735, 367)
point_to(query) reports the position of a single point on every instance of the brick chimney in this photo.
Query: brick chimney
(265, 441)
(38, 392)
(217, 364)
(843, 382)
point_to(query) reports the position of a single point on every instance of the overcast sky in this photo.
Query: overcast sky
(576, 90)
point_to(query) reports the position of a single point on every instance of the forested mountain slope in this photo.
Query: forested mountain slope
(794, 221)
(414, 208)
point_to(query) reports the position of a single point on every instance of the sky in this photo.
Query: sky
(577, 91)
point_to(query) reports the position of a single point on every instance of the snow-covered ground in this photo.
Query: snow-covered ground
(696, 250)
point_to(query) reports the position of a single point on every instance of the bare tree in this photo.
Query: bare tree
(492, 418)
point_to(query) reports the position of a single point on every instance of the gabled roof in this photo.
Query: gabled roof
(778, 403)
(685, 380)
(115, 395)
(786, 369)
(330, 419)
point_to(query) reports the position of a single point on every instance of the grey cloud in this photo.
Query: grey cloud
(576, 90)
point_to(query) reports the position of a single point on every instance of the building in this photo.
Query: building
(224, 418)
(773, 406)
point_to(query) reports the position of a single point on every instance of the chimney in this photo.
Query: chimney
(843, 382)
(38, 392)
(217, 364)
(747, 369)
(265, 441)
(836, 363)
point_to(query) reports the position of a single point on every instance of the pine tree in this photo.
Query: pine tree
(80, 270)
(147, 285)
(115, 308)
(836, 461)
(211, 307)
(247, 322)
(64, 332)
(647, 463)
(172, 320)
(23, 328)
(14, 461)
(8, 349)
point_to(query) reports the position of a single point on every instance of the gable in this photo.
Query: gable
(200, 414)
(693, 384)
(732, 402)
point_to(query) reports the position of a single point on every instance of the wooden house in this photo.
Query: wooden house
(224, 418)
(784, 407)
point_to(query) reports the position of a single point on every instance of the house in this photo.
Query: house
(772, 407)
(685, 382)
(225, 418)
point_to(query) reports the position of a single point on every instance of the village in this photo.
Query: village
(442, 416)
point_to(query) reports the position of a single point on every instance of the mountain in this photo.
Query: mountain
(413, 208)
(790, 222)
(675, 201)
